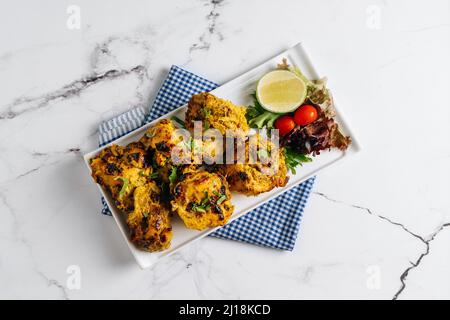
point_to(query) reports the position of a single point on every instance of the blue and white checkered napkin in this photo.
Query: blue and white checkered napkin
(274, 224)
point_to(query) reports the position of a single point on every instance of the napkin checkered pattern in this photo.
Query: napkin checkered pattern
(275, 224)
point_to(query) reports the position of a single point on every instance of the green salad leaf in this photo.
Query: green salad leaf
(294, 159)
(259, 117)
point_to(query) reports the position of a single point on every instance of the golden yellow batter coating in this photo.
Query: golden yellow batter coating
(135, 155)
(161, 138)
(120, 170)
(267, 172)
(105, 168)
(215, 113)
(149, 222)
(202, 200)
(127, 174)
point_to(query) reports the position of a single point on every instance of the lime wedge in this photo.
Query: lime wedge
(281, 91)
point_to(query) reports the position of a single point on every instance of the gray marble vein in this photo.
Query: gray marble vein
(415, 264)
(29, 104)
(426, 240)
(211, 31)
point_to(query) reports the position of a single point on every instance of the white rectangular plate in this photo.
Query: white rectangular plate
(238, 91)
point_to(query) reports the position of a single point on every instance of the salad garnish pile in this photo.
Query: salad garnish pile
(309, 126)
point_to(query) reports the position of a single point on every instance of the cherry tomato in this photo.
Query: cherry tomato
(305, 115)
(284, 124)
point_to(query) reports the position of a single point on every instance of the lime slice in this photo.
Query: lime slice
(281, 91)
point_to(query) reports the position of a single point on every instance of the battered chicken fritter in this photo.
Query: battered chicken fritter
(120, 170)
(136, 155)
(161, 138)
(202, 200)
(149, 222)
(127, 174)
(215, 113)
(105, 168)
(267, 171)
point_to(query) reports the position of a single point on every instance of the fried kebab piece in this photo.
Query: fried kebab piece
(128, 175)
(202, 199)
(159, 140)
(216, 113)
(264, 168)
(149, 223)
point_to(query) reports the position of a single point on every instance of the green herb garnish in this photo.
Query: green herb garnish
(154, 175)
(125, 185)
(173, 175)
(198, 208)
(204, 205)
(191, 144)
(205, 112)
(206, 201)
(179, 121)
(294, 159)
(221, 199)
(154, 162)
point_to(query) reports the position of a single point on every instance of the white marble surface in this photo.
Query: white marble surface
(377, 226)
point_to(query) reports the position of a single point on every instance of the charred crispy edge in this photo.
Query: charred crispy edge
(133, 151)
(215, 208)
